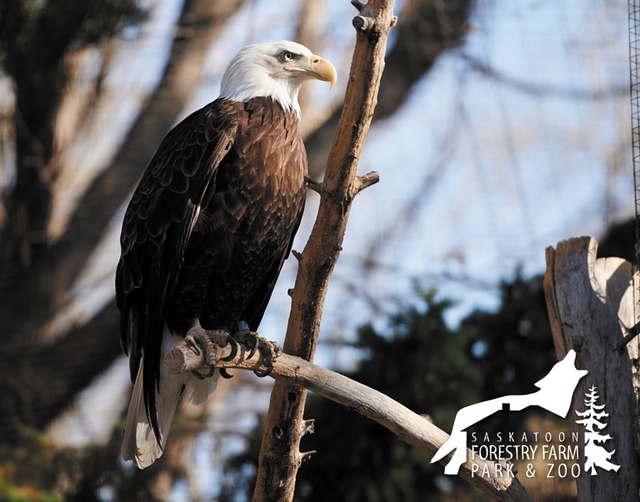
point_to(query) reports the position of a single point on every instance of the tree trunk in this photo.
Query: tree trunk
(590, 302)
(30, 298)
(280, 457)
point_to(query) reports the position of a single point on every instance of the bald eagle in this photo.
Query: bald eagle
(209, 227)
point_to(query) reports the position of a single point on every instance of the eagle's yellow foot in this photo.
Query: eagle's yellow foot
(202, 341)
(254, 342)
(270, 351)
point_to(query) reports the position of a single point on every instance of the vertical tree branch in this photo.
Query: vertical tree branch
(280, 457)
(425, 30)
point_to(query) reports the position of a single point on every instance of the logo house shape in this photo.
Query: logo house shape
(555, 394)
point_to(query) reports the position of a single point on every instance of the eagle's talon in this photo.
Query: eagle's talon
(200, 342)
(269, 352)
(264, 373)
(276, 350)
(253, 342)
(248, 338)
(209, 373)
(234, 349)
(225, 374)
(254, 347)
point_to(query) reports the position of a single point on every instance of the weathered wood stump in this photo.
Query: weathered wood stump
(591, 303)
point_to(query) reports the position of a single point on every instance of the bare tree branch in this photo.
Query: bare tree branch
(280, 457)
(34, 391)
(407, 425)
(425, 30)
(543, 89)
(36, 385)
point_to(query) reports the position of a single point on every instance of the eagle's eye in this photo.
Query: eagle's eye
(287, 56)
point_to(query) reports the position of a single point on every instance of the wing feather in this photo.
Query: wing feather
(157, 227)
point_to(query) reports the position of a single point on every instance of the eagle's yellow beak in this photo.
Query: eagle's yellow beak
(322, 69)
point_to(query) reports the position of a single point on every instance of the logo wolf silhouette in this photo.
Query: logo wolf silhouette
(556, 391)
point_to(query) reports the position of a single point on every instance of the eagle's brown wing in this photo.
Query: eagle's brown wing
(157, 227)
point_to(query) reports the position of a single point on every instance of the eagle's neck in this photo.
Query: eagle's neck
(242, 82)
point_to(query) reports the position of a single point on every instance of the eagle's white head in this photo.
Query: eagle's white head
(275, 70)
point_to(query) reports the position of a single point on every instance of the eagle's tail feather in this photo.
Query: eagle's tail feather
(140, 444)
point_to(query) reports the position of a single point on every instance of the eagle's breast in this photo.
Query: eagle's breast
(247, 221)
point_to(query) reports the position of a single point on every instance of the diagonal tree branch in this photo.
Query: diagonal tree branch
(407, 425)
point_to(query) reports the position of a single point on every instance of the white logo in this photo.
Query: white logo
(556, 391)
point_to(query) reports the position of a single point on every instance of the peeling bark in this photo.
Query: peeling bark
(280, 457)
(591, 302)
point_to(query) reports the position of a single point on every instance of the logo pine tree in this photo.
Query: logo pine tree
(595, 454)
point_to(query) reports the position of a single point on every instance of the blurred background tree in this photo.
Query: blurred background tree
(89, 88)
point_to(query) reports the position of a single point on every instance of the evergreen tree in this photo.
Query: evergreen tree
(512, 348)
(595, 455)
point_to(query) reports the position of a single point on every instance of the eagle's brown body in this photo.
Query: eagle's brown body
(208, 229)
(209, 226)
(246, 229)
